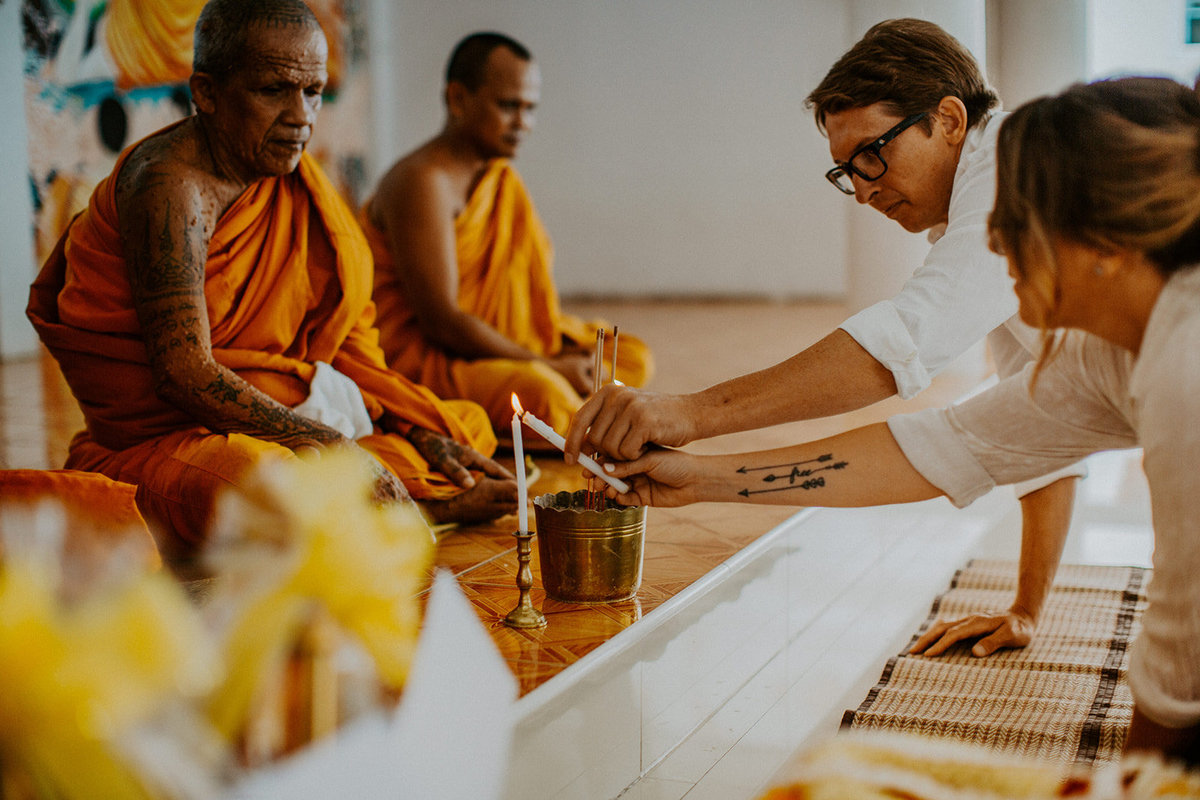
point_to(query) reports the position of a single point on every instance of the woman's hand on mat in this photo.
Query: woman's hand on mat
(994, 631)
(455, 460)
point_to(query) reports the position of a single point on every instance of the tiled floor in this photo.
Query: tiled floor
(695, 344)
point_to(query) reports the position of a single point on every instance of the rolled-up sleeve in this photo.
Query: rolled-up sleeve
(941, 455)
(1009, 434)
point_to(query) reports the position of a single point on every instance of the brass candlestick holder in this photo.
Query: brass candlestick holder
(524, 615)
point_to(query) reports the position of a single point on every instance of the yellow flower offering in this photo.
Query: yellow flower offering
(79, 678)
(305, 538)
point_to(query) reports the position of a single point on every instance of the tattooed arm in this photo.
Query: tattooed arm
(862, 467)
(166, 219)
(833, 376)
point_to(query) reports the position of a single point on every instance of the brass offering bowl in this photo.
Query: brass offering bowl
(589, 555)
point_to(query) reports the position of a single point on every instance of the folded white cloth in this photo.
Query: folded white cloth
(334, 400)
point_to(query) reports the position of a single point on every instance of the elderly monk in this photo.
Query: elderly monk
(467, 303)
(216, 281)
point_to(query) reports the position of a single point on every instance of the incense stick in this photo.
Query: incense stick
(597, 381)
(612, 373)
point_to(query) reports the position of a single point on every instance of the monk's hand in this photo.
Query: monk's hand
(576, 366)
(386, 487)
(659, 478)
(1012, 628)
(621, 422)
(454, 460)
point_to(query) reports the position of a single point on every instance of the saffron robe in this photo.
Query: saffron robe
(99, 515)
(287, 284)
(505, 279)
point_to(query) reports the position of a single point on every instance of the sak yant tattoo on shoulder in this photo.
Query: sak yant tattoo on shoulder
(803, 475)
(170, 260)
(138, 178)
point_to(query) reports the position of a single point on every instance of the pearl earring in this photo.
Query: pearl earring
(1098, 271)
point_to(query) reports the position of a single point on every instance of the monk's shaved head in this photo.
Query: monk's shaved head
(222, 31)
(469, 58)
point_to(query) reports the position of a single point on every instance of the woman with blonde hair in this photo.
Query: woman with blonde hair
(1098, 212)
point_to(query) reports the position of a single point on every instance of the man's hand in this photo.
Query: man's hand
(576, 367)
(454, 460)
(1011, 628)
(619, 422)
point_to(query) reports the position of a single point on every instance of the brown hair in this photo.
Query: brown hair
(908, 64)
(1111, 165)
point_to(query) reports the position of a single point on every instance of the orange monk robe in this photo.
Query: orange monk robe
(504, 278)
(287, 284)
(99, 514)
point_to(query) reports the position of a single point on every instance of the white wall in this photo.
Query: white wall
(17, 266)
(1139, 37)
(1038, 47)
(880, 254)
(672, 154)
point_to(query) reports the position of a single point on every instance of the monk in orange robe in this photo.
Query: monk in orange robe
(467, 303)
(217, 281)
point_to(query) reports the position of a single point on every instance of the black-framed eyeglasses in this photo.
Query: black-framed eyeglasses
(867, 161)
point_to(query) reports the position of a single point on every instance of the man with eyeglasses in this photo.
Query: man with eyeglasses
(911, 129)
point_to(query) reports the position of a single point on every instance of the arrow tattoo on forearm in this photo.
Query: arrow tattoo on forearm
(826, 457)
(793, 474)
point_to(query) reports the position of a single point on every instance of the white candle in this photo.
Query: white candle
(519, 457)
(551, 436)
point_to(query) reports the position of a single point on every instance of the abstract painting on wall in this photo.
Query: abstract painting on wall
(102, 74)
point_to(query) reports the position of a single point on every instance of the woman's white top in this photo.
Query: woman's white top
(1096, 396)
(961, 293)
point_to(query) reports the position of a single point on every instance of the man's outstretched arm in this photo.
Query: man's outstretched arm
(833, 376)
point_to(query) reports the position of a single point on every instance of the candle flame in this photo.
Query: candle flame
(516, 404)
